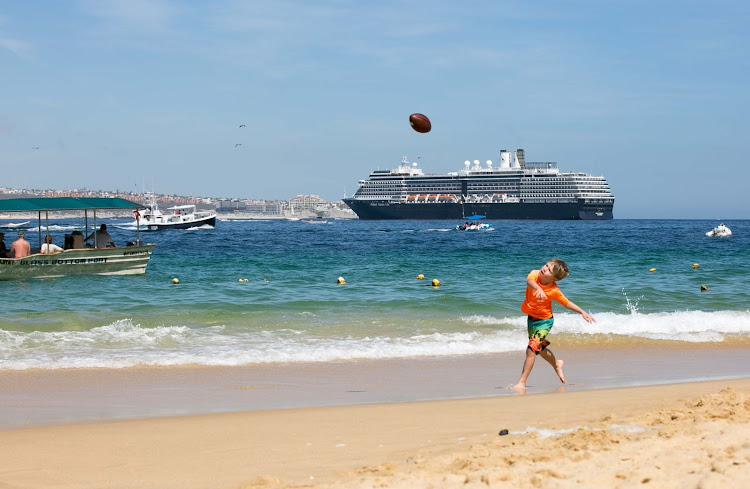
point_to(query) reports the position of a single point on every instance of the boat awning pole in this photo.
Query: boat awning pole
(46, 216)
(137, 228)
(95, 229)
(40, 227)
(86, 223)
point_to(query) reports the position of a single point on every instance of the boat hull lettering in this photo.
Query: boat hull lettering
(130, 260)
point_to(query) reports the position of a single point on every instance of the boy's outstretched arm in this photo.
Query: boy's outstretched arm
(538, 291)
(573, 307)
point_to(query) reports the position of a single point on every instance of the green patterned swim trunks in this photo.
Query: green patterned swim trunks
(538, 331)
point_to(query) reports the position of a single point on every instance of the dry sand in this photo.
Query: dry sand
(680, 436)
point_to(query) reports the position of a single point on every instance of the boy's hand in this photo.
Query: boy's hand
(588, 317)
(540, 295)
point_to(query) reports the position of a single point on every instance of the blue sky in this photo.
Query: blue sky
(117, 93)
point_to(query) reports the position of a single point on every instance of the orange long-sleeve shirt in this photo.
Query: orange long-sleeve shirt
(542, 309)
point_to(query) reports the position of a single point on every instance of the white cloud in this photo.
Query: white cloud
(132, 14)
(20, 48)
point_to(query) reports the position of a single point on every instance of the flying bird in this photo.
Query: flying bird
(35, 147)
(238, 144)
(242, 125)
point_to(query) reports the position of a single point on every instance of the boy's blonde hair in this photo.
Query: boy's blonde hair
(559, 268)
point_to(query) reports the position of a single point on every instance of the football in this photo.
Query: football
(420, 123)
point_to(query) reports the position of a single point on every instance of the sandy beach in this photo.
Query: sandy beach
(679, 435)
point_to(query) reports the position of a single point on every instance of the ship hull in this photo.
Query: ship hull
(384, 210)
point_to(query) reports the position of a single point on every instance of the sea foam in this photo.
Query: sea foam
(125, 344)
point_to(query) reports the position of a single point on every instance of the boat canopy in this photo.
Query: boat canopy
(66, 204)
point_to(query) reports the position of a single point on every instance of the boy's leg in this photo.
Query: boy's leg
(528, 364)
(538, 330)
(556, 364)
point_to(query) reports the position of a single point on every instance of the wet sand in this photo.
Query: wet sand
(39, 397)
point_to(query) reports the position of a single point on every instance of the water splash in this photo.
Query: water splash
(631, 305)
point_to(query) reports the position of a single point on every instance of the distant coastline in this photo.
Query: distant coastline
(241, 216)
(298, 207)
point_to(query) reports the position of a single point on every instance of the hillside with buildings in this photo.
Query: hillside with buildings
(300, 206)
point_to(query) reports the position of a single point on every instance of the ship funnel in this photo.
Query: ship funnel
(516, 164)
(504, 159)
(520, 156)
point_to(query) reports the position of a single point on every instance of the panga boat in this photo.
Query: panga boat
(179, 217)
(473, 224)
(75, 259)
(316, 220)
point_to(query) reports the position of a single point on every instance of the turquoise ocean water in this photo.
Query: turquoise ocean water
(292, 310)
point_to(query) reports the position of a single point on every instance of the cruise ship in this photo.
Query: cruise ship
(513, 189)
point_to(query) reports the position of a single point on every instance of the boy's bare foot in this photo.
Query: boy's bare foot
(559, 371)
(519, 387)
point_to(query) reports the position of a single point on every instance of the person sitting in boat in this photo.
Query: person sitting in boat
(101, 238)
(20, 247)
(49, 247)
(3, 249)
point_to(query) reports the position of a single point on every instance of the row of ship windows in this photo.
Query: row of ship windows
(535, 196)
(523, 194)
(487, 188)
(494, 180)
(566, 184)
(474, 190)
(488, 181)
(427, 185)
(454, 188)
(486, 176)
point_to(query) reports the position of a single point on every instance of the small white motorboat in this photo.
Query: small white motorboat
(180, 217)
(482, 226)
(316, 220)
(474, 223)
(720, 231)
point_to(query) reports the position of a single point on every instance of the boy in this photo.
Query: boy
(541, 290)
